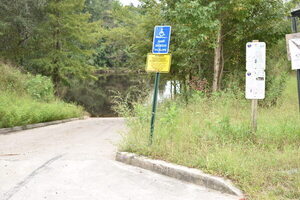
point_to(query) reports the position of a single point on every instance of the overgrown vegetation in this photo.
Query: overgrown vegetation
(71, 41)
(213, 134)
(27, 99)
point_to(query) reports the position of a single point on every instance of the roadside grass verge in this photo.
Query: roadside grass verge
(18, 111)
(213, 134)
(27, 99)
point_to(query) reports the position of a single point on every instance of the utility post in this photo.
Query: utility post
(295, 15)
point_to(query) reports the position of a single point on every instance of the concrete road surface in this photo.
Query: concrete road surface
(75, 161)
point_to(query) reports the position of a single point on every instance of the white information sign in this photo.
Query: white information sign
(294, 46)
(256, 56)
(255, 84)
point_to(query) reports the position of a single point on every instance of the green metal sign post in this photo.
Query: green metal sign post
(160, 62)
(154, 105)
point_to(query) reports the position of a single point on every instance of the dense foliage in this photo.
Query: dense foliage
(27, 99)
(210, 36)
(72, 41)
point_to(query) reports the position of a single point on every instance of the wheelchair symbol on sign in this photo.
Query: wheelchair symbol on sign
(161, 34)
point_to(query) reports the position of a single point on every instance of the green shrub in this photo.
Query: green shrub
(27, 99)
(40, 88)
(275, 86)
(278, 69)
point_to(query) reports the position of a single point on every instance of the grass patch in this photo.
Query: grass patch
(213, 134)
(27, 99)
(16, 111)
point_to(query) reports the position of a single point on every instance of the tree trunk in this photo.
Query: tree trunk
(185, 90)
(222, 68)
(218, 61)
(199, 70)
(175, 88)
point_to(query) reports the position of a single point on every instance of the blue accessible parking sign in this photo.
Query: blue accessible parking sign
(161, 40)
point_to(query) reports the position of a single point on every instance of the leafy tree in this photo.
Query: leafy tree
(64, 43)
(100, 10)
(209, 36)
(126, 42)
(18, 20)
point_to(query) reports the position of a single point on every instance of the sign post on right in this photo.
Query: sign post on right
(255, 76)
(293, 47)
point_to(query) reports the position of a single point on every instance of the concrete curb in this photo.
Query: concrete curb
(5, 131)
(180, 172)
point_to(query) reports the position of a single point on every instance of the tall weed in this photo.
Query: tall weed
(40, 88)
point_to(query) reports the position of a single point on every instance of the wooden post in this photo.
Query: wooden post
(254, 109)
(254, 115)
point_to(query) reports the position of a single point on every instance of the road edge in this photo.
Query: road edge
(6, 131)
(186, 174)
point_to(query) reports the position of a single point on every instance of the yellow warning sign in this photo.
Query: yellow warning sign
(158, 63)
